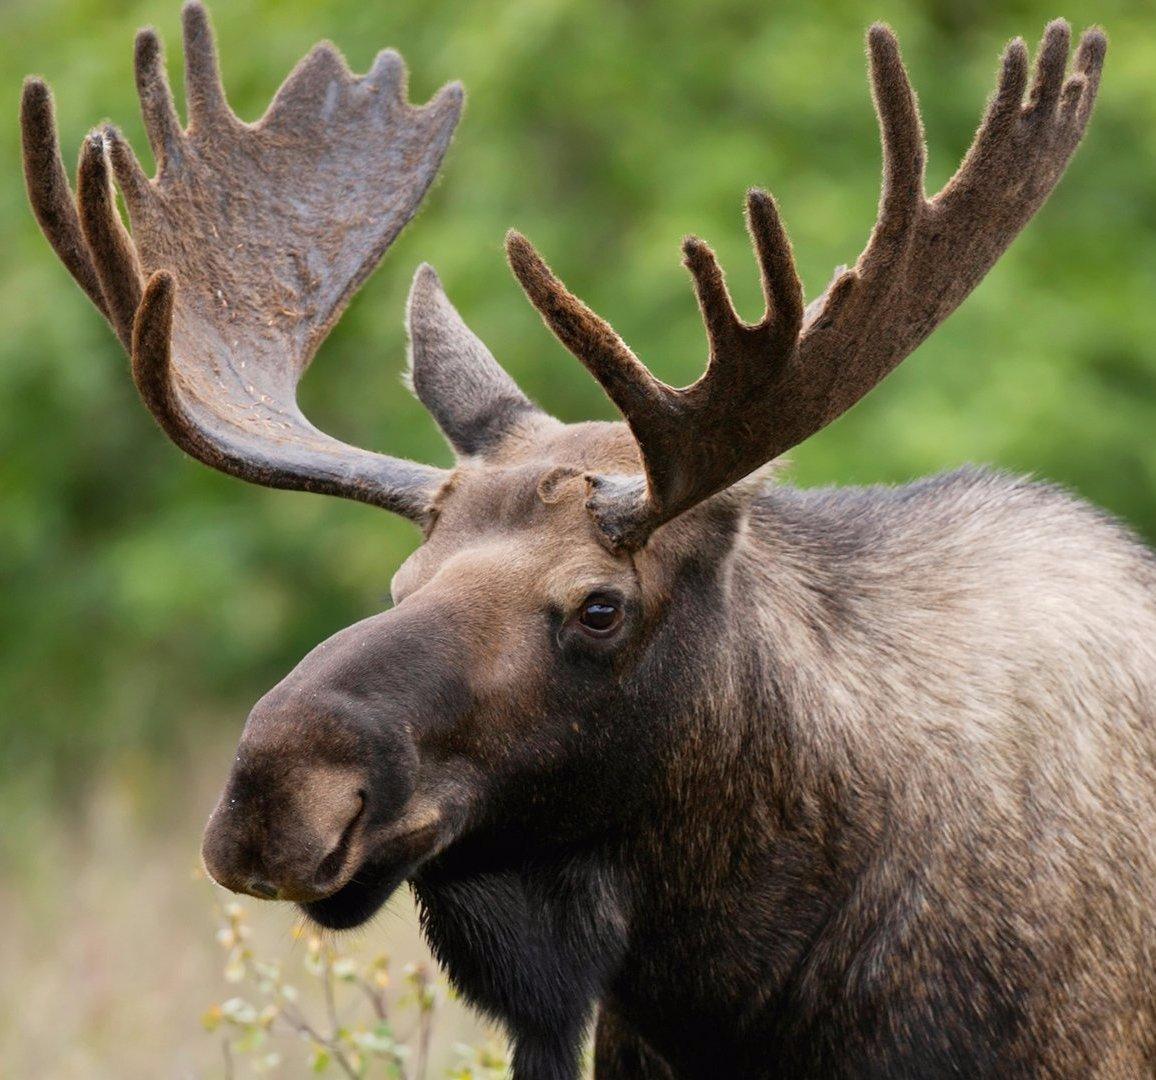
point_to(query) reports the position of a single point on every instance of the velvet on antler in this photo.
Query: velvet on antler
(245, 248)
(770, 385)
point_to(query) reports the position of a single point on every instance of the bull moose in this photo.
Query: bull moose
(778, 783)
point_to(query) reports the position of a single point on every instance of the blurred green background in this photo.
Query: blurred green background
(146, 602)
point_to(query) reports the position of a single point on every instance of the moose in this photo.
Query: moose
(760, 782)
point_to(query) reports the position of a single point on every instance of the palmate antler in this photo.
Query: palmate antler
(245, 248)
(768, 386)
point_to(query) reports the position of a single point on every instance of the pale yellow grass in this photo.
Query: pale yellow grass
(108, 958)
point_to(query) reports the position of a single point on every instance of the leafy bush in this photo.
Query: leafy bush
(372, 1023)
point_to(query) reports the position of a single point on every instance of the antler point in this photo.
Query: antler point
(94, 145)
(162, 281)
(195, 22)
(148, 39)
(1016, 52)
(524, 260)
(36, 107)
(447, 101)
(517, 246)
(760, 200)
(1093, 46)
(881, 38)
(35, 85)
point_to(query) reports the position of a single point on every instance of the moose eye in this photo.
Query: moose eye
(600, 616)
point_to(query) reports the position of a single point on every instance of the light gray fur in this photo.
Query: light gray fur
(964, 677)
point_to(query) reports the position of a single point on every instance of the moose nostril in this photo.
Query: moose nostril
(331, 865)
(263, 889)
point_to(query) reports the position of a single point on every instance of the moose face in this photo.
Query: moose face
(507, 652)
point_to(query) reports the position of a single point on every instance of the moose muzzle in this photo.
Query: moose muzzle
(286, 833)
(321, 795)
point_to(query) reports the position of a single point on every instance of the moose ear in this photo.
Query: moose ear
(455, 376)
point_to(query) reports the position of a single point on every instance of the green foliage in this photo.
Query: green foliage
(359, 1023)
(142, 592)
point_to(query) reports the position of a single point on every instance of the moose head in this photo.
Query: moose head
(568, 602)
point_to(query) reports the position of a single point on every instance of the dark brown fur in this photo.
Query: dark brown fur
(859, 783)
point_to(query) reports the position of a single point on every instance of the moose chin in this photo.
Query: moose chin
(767, 782)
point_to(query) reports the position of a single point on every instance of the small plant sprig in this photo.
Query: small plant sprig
(355, 1036)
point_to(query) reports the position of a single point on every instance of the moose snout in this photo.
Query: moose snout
(290, 837)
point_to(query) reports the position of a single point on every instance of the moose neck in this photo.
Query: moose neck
(733, 817)
(764, 810)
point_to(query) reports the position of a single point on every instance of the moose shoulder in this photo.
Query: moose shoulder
(847, 783)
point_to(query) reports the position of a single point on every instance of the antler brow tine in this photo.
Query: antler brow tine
(608, 358)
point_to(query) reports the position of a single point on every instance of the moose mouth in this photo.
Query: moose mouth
(357, 901)
(374, 881)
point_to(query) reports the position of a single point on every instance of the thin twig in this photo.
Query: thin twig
(327, 983)
(376, 999)
(303, 1027)
(425, 1032)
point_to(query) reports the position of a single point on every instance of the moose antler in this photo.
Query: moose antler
(245, 249)
(770, 385)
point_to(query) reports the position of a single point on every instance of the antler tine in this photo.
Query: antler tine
(782, 291)
(901, 133)
(303, 205)
(204, 89)
(714, 298)
(133, 182)
(151, 356)
(108, 241)
(590, 338)
(1088, 68)
(162, 125)
(49, 191)
(1050, 66)
(782, 379)
(1006, 103)
(782, 288)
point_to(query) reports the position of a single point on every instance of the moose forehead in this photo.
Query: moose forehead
(521, 514)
